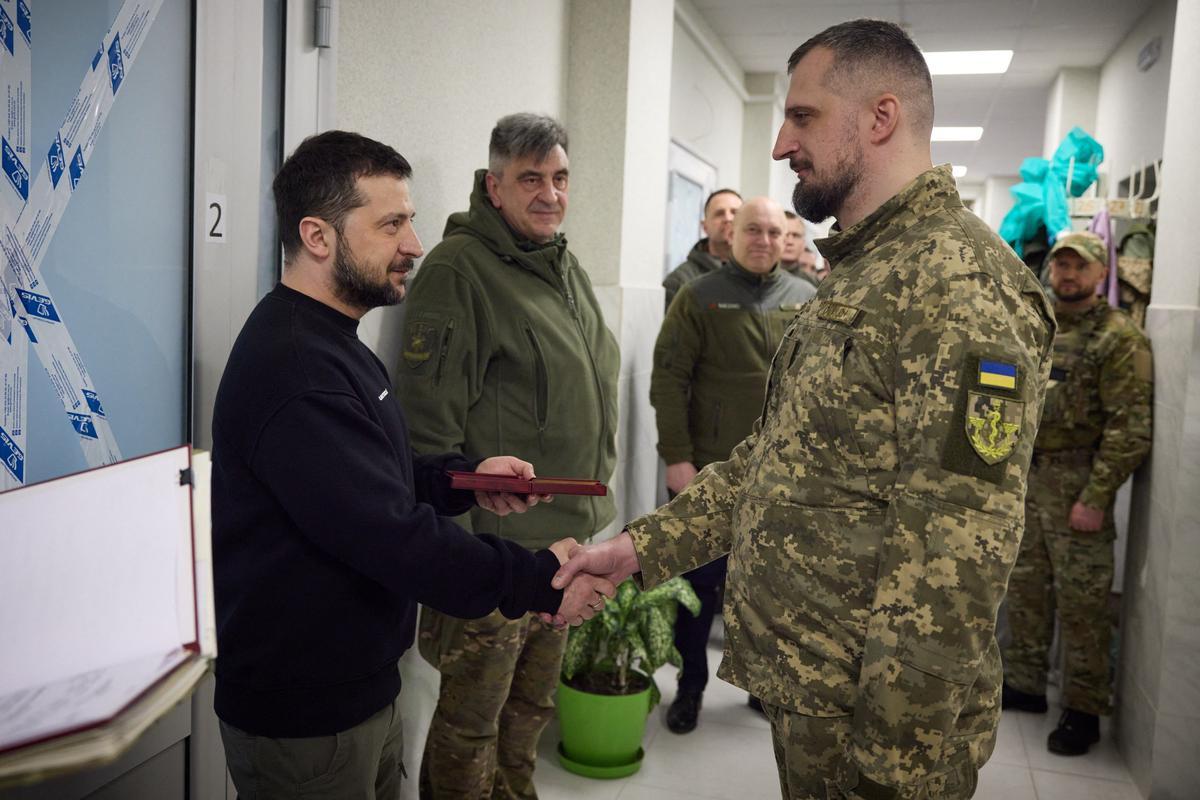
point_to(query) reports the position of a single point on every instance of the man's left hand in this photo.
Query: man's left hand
(1086, 518)
(504, 503)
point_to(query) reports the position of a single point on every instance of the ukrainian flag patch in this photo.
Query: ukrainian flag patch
(997, 374)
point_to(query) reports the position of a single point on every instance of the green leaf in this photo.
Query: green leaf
(660, 636)
(581, 646)
(637, 646)
(676, 589)
(627, 593)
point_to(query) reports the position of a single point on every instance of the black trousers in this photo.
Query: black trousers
(691, 633)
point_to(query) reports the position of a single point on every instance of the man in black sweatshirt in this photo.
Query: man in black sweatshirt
(327, 531)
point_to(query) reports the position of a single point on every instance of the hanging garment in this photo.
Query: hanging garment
(1135, 267)
(1101, 225)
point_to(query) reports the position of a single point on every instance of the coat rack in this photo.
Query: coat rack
(1131, 206)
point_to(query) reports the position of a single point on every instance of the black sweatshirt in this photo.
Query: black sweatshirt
(327, 531)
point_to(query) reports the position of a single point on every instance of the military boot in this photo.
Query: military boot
(1017, 700)
(1076, 732)
(684, 711)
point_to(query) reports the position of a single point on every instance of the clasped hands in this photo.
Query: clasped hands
(588, 575)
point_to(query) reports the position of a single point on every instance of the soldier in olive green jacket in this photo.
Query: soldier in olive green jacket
(713, 250)
(505, 346)
(1095, 431)
(710, 373)
(874, 514)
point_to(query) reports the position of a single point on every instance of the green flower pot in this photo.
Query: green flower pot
(601, 734)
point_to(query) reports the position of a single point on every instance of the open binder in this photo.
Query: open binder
(106, 611)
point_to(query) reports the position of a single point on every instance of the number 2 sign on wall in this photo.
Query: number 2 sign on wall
(214, 218)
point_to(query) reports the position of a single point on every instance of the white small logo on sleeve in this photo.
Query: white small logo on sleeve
(383, 394)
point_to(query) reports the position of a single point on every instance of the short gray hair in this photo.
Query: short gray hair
(521, 135)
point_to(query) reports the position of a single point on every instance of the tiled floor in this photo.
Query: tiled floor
(729, 757)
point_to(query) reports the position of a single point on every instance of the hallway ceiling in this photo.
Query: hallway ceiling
(1045, 35)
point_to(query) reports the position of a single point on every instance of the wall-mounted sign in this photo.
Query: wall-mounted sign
(1149, 55)
(214, 217)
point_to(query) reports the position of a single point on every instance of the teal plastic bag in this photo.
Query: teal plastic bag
(1041, 197)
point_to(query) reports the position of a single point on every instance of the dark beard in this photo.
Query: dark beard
(1076, 297)
(818, 202)
(353, 287)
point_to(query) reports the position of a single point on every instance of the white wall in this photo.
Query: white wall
(706, 108)
(1072, 101)
(997, 201)
(1132, 108)
(431, 79)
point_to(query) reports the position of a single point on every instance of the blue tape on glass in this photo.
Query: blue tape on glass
(12, 456)
(6, 30)
(56, 160)
(93, 401)
(38, 305)
(116, 63)
(77, 166)
(23, 21)
(15, 170)
(83, 425)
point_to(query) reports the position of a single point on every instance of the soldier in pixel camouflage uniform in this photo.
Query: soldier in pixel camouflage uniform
(1095, 431)
(874, 514)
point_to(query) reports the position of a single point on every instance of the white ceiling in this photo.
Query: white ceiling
(1045, 35)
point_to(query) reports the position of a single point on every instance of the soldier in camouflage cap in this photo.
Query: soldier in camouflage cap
(874, 513)
(1094, 432)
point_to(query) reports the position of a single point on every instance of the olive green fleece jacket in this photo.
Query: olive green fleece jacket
(505, 352)
(712, 358)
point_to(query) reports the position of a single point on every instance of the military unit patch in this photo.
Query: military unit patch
(993, 425)
(420, 344)
(837, 312)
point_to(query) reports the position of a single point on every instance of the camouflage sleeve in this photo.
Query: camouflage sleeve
(971, 364)
(697, 526)
(1126, 391)
(442, 364)
(675, 355)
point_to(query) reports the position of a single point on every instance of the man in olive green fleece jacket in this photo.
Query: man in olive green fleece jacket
(504, 343)
(710, 376)
(708, 254)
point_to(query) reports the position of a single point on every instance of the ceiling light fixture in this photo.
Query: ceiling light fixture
(959, 133)
(959, 170)
(968, 62)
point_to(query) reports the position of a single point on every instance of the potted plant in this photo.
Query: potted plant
(607, 687)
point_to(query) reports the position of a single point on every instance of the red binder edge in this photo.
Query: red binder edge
(483, 482)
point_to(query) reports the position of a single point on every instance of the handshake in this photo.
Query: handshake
(588, 575)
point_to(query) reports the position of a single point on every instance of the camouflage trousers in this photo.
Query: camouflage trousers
(811, 754)
(497, 696)
(1068, 570)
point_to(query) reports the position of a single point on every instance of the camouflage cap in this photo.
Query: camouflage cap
(1085, 243)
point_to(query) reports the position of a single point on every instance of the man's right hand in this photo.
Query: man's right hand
(597, 566)
(679, 475)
